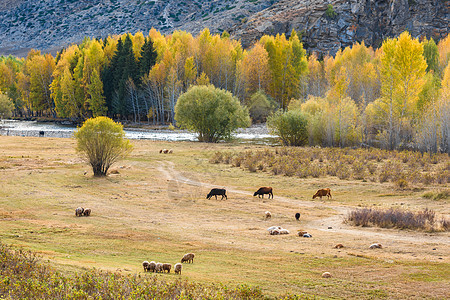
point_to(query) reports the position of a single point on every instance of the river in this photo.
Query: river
(256, 134)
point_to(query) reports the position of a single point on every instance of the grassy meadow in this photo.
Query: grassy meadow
(152, 207)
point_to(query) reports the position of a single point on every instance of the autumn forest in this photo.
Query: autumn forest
(394, 97)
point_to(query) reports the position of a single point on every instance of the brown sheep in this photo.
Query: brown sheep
(79, 211)
(87, 212)
(177, 268)
(323, 192)
(301, 233)
(151, 266)
(145, 265)
(264, 190)
(166, 267)
(339, 246)
(165, 151)
(188, 257)
(268, 215)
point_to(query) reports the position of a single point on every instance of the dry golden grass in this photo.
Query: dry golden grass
(154, 208)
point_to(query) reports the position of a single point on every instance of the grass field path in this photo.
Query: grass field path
(168, 169)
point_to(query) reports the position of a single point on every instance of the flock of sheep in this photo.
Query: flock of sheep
(158, 267)
(162, 267)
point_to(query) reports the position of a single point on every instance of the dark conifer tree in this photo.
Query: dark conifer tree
(148, 57)
(110, 78)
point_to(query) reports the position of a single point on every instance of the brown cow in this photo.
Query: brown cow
(264, 190)
(323, 192)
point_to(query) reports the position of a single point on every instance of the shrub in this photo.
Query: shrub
(359, 170)
(102, 142)
(441, 195)
(330, 11)
(216, 158)
(290, 126)
(23, 277)
(6, 106)
(211, 112)
(401, 183)
(260, 107)
(396, 218)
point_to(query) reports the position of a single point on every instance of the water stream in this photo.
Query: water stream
(257, 134)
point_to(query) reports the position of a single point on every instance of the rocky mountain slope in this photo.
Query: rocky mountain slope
(348, 21)
(49, 25)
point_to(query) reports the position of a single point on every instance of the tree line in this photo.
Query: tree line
(392, 97)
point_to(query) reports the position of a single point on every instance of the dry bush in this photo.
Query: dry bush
(440, 195)
(216, 158)
(396, 218)
(346, 163)
(343, 172)
(237, 161)
(401, 183)
(359, 170)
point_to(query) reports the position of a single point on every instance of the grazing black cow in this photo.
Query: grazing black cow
(264, 190)
(41, 133)
(297, 216)
(217, 192)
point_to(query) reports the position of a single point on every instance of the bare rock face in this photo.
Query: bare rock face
(49, 25)
(352, 21)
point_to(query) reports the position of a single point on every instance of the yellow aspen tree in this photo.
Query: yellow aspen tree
(402, 68)
(256, 69)
(138, 41)
(40, 69)
(190, 72)
(444, 53)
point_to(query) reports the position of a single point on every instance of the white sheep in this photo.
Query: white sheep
(159, 267)
(273, 227)
(177, 268)
(275, 231)
(284, 231)
(374, 246)
(79, 211)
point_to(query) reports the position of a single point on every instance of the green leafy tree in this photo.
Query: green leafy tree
(6, 106)
(290, 126)
(101, 141)
(431, 54)
(96, 100)
(211, 112)
(260, 107)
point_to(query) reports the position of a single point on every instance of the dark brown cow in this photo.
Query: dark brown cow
(264, 190)
(323, 192)
(217, 192)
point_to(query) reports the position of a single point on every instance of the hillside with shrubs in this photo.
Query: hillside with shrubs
(25, 276)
